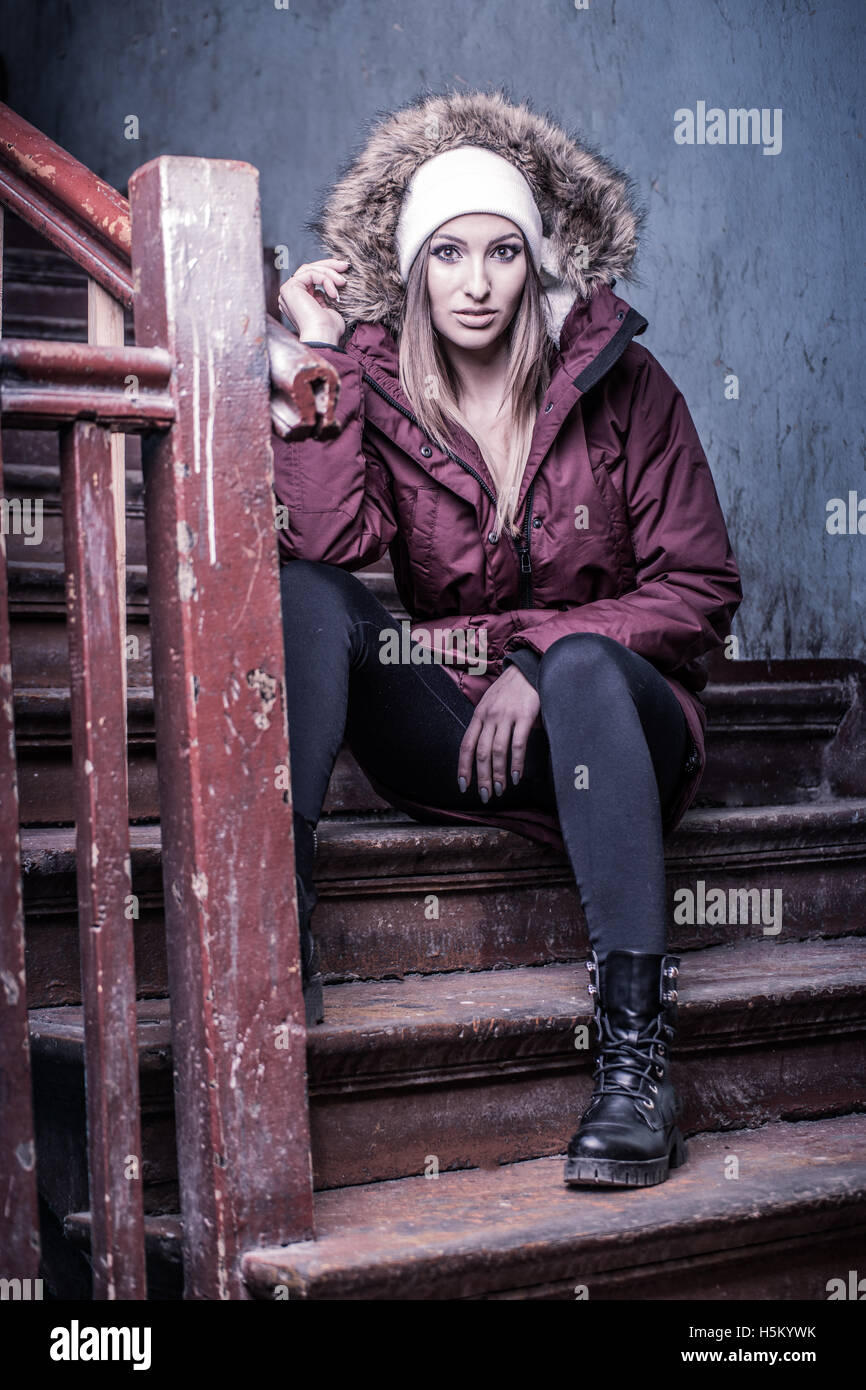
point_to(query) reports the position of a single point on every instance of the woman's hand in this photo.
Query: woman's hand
(306, 303)
(502, 720)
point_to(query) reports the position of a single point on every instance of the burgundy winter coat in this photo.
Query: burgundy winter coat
(652, 569)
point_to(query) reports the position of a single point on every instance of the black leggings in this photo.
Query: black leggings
(603, 707)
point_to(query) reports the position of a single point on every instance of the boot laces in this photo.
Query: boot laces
(637, 1059)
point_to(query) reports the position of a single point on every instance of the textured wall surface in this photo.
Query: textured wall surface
(751, 263)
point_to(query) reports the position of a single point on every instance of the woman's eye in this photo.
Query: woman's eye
(510, 253)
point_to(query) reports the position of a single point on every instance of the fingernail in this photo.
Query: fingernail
(515, 777)
(461, 782)
(484, 794)
(497, 787)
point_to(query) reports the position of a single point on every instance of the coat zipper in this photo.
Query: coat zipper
(525, 560)
(523, 550)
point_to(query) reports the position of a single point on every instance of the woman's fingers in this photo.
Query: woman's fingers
(497, 737)
(327, 262)
(485, 744)
(309, 277)
(493, 745)
(519, 740)
(323, 288)
(319, 271)
(483, 751)
(309, 283)
(499, 755)
(467, 752)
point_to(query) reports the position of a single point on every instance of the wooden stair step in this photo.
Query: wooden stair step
(772, 1213)
(505, 900)
(472, 1234)
(44, 751)
(489, 1063)
(38, 585)
(501, 899)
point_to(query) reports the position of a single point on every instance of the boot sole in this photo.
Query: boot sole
(619, 1172)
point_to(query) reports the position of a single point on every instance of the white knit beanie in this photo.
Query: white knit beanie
(466, 179)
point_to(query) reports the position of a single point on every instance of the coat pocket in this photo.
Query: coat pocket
(425, 566)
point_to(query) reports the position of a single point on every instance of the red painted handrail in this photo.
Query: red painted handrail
(43, 381)
(87, 219)
(203, 371)
(66, 203)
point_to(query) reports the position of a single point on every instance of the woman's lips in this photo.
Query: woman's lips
(474, 320)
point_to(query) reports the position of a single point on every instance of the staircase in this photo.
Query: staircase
(456, 1054)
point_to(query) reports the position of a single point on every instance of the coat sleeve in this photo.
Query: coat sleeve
(688, 583)
(336, 492)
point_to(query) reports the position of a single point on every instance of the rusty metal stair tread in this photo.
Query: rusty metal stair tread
(480, 1233)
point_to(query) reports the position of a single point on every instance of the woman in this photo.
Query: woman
(555, 535)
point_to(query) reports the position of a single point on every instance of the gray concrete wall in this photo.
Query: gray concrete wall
(751, 264)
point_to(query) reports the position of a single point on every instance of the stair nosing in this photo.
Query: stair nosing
(364, 1051)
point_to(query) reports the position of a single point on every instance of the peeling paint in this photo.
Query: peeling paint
(211, 413)
(199, 885)
(10, 986)
(186, 581)
(196, 398)
(25, 1155)
(266, 687)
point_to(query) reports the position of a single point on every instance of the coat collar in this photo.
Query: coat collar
(595, 333)
(593, 336)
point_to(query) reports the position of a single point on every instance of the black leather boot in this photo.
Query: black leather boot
(628, 1135)
(305, 853)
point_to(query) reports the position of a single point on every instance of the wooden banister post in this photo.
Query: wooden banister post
(105, 326)
(238, 1031)
(19, 1219)
(103, 867)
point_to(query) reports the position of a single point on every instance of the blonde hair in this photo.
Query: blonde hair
(432, 386)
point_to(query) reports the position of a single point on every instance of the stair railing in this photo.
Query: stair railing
(196, 387)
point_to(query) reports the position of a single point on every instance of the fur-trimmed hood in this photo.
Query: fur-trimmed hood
(590, 217)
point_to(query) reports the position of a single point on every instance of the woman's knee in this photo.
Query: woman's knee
(308, 585)
(582, 659)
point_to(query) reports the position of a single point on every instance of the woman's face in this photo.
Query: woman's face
(476, 270)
